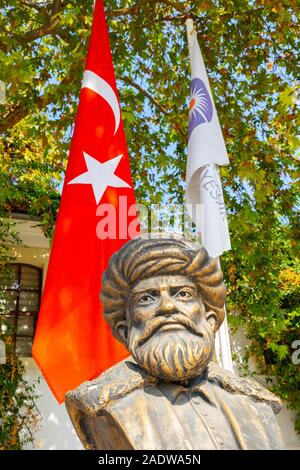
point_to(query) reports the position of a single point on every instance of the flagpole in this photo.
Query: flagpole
(222, 340)
(190, 30)
(224, 355)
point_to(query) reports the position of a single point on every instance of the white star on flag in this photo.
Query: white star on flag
(100, 175)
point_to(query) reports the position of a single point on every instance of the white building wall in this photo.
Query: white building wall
(55, 428)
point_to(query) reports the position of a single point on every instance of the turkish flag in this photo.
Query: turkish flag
(73, 343)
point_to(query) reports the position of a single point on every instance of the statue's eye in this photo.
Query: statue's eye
(145, 299)
(183, 294)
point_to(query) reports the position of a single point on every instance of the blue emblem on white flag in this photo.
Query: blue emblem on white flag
(201, 107)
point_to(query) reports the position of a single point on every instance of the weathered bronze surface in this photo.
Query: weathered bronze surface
(164, 299)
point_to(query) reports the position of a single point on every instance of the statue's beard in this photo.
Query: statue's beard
(175, 355)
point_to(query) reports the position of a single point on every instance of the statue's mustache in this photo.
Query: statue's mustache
(156, 323)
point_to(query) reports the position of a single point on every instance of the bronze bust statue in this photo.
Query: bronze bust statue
(163, 297)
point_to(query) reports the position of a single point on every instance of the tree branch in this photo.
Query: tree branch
(145, 93)
(153, 101)
(23, 110)
(127, 11)
(53, 20)
(178, 6)
(44, 30)
(135, 9)
(36, 6)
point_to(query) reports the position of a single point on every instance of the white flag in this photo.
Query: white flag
(206, 150)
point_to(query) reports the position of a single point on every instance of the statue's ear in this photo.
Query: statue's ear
(212, 319)
(121, 331)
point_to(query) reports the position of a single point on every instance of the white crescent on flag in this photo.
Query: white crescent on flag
(95, 83)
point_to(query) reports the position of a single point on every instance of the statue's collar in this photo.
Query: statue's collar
(198, 385)
(128, 376)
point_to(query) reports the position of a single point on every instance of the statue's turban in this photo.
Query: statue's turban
(157, 255)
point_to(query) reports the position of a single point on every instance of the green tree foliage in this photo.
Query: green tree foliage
(18, 414)
(250, 50)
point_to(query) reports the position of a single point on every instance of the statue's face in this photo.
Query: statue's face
(169, 332)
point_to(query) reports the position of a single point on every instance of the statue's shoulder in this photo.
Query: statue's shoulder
(244, 386)
(92, 396)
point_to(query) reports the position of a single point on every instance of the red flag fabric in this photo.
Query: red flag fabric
(73, 343)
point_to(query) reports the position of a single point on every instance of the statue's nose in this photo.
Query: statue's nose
(166, 305)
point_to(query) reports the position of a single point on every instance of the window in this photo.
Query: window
(20, 306)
